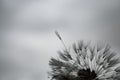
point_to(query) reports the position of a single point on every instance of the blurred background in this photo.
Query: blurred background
(27, 39)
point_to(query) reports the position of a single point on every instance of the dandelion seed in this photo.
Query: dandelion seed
(56, 32)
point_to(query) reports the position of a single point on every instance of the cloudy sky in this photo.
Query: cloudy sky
(27, 32)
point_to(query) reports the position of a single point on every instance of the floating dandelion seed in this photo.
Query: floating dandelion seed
(85, 63)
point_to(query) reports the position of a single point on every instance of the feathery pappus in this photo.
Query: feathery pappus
(86, 62)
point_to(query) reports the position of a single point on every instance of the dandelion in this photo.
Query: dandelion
(86, 62)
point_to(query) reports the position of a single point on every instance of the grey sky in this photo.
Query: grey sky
(27, 32)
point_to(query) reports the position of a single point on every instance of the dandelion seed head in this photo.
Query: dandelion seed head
(86, 62)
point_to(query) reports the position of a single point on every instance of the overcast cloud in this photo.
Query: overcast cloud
(27, 32)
